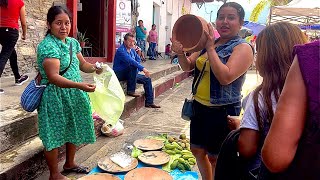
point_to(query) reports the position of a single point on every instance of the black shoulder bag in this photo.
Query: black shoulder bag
(187, 108)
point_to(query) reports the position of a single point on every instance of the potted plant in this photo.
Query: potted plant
(82, 38)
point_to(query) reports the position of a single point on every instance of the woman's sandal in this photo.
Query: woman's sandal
(77, 169)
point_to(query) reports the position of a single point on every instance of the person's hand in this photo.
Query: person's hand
(146, 72)
(23, 37)
(99, 70)
(98, 67)
(210, 36)
(176, 46)
(233, 122)
(86, 87)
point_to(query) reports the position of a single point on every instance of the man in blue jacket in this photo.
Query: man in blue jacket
(126, 65)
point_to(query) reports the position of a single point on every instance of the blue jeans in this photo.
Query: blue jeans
(153, 50)
(132, 77)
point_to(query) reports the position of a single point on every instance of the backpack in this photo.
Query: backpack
(230, 166)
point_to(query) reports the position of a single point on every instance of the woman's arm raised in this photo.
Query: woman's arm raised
(238, 63)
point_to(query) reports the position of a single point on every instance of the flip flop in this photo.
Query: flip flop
(77, 169)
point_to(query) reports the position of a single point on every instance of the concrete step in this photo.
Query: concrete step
(25, 160)
(154, 76)
(17, 125)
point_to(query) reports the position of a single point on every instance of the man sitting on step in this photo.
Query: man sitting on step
(126, 66)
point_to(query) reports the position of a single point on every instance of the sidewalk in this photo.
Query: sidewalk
(21, 152)
(146, 122)
(12, 93)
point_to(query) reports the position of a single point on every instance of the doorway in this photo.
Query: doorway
(91, 21)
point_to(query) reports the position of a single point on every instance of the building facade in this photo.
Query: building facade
(162, 13)
(36, 21)
(101, 22)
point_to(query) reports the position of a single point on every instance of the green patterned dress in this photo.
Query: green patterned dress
(64, 113)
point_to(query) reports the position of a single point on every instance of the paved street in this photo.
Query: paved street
(143, 123)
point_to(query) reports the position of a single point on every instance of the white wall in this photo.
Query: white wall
(161, 26)
(166, 13)
(145, 13)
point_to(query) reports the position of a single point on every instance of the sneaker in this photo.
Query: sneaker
(22, 80)
(1, 91)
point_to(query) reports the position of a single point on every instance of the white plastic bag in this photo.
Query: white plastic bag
(108, 98)
(113, 131)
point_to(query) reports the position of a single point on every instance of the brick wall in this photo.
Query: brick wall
(36, 22)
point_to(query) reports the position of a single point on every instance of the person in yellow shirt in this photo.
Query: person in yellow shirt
(218, 94)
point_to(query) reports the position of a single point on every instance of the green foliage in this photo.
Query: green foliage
(262, 4)
(136, 152)
(82, 37)
(257, 10)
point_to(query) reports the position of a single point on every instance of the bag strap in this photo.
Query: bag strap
(65, 70)
(196, 84)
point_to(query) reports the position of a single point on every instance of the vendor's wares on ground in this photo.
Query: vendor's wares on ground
(162, 156)
(109, 166)
(113, 130)
(154, 157)
(148, 144)
(100, 176)
(148, 173)
(121, 159)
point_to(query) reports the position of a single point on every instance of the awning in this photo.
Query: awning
(310, 27)
(297, 12)
(255, 27)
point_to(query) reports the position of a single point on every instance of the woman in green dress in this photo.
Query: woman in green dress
(64, 113)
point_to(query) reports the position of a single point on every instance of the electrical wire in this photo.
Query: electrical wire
(205, 8)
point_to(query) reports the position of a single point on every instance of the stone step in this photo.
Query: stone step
(17, 125)
(26, 160)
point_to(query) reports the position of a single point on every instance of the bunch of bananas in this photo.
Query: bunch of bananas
(180, 146)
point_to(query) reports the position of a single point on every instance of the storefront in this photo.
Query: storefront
(97, 19)
(123, 20)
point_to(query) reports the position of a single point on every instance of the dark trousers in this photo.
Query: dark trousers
(8, 39)
(132, 77)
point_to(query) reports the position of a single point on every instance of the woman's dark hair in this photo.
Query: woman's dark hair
(53, 12)
(153, 25)
(4, 3)
(235, 5)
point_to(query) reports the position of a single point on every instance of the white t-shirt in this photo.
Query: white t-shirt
(249, 119)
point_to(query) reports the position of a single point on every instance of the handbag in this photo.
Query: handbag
(187, 108)
(32, 94)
